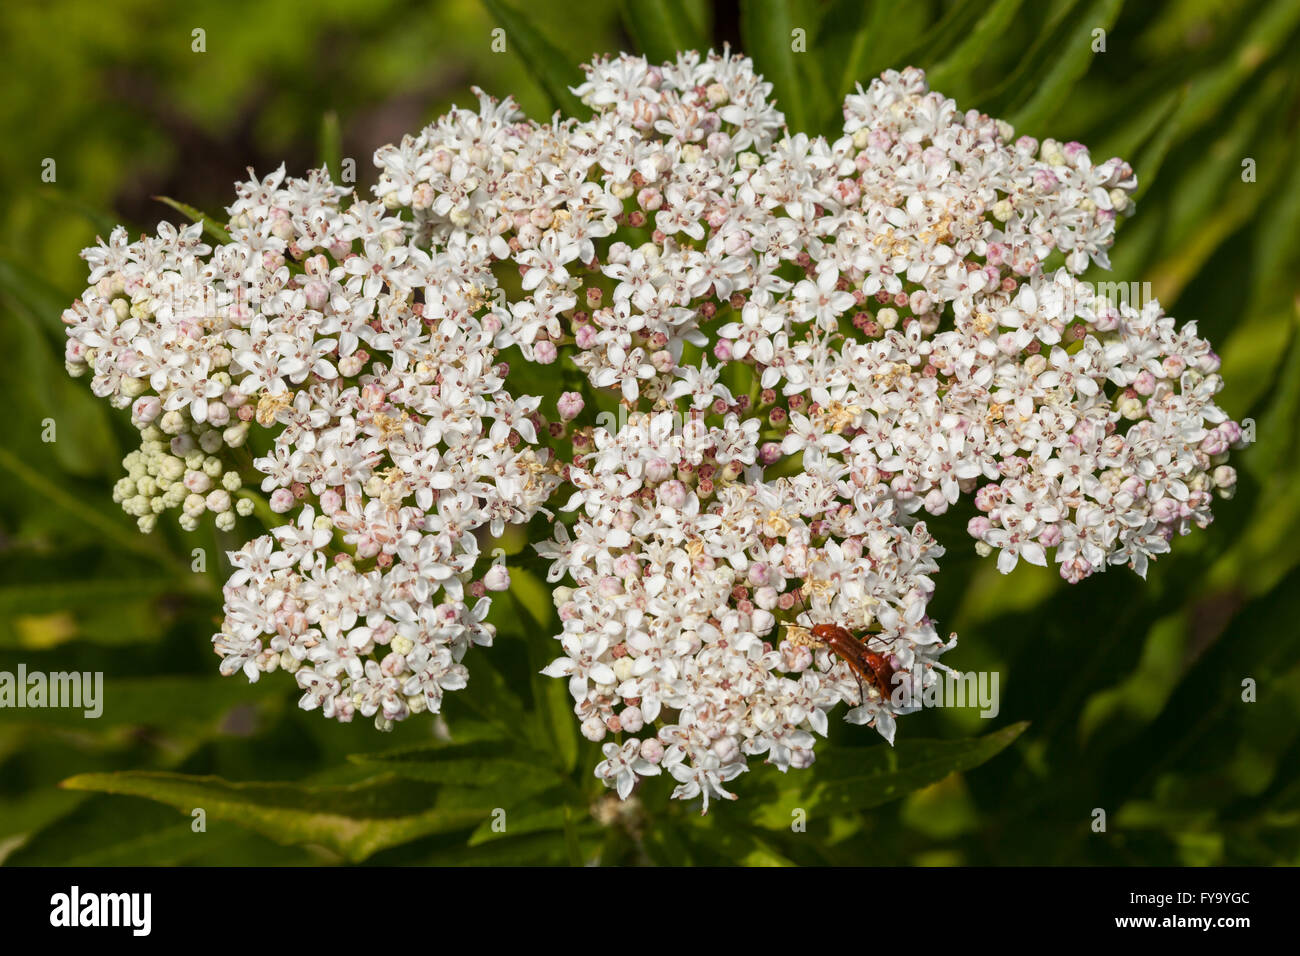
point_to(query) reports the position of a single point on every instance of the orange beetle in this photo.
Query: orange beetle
(865, 663)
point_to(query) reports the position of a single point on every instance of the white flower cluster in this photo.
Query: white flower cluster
(806, 345)
(673, 618)
(368, 360)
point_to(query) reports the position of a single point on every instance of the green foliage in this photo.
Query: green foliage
(1116, 693)
(552, 69)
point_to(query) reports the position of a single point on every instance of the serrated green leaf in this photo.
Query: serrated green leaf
(490, 697)
(354, 821)
(478, 764)
(539, 813)
(851, 779)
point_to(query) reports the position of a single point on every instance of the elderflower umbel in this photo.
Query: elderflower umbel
(755, 362)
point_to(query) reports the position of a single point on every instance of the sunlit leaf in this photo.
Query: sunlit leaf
(354, 821)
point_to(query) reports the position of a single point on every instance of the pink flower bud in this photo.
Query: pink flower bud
(632, 719)
(570, 406)
(316, 293)
(1164, 510)
(545, 352)
(673, 494)
(147, 408)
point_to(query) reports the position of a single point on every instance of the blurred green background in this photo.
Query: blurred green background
(1116, 694)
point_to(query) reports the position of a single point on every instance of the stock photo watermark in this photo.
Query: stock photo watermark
(72, 690)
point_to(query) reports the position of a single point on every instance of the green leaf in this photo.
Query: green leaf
(112, 527)
(45, 303)
(532, 595)
(171, 703)
(547, 847)
(1000, 99)
(550, 67)
(551, 696)
(953, 75)
(210, 224)
(856, 41)
(1073, 57)
(766, 28)
(95, 830)
(537, 814)
(35, 345)
(851, 779)
(1141, 127)
(850, 35)
(562, 722)
(730, 845)
(489, 696)
(41, 614)
(661, 28)
(354, 821)
(479, 764)
(941, 38)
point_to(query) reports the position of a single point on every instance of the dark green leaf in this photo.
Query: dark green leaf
(551, 68)
(662, 28)
(846, 780)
